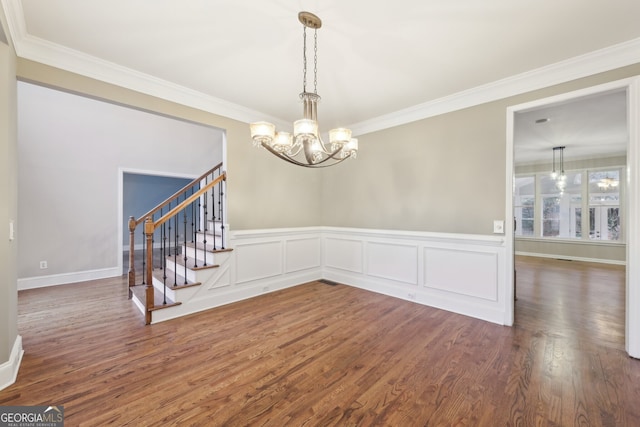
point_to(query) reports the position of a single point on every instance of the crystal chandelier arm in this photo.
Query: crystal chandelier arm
(289, 159)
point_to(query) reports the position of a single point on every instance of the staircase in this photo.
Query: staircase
(193, 259)
(179, 281)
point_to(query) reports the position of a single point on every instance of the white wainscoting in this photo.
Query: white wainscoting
(274, 259)
(460, 273)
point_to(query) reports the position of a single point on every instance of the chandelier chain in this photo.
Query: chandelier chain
(315, 61)
(304, 59)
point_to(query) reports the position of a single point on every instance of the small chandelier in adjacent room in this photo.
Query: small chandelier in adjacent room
(561, 179)
(607, 183)
(306, 138)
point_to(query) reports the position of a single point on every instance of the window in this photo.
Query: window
(604, 205)
(586, 205)
(524, 205)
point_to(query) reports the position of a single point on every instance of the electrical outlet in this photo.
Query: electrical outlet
(498, 226)
(43, 265)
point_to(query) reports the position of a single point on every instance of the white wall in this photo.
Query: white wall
(72, 150)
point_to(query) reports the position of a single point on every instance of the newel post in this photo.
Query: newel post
(132, 241)
(148, 231)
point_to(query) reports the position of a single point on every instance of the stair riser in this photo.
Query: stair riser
(159, 285)
(191, 274)
(178, 294)
(201, 236)
(216, 226)
(200, 254)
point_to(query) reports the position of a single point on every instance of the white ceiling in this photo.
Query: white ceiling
(379, 63)
(588, 127)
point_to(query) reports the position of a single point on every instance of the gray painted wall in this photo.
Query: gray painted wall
(71, 152)
(258, 184)
(9, 204)
(441, 174)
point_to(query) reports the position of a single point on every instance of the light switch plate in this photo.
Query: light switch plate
(498, 226)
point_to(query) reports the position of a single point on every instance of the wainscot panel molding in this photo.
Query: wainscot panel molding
(461, 273)
(393, 261)
(272, 256)
(258, 260)
(471, 273)
(302, 254)
(344, 254)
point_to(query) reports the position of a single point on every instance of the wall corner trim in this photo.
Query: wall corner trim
(9, 369)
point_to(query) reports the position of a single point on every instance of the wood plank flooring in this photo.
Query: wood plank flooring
(322, 355)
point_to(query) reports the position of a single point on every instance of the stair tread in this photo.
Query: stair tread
(209, 232)
(209, 247)
(180, 280)
(191, 263)
(140, 292)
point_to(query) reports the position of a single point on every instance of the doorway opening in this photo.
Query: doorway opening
(579, 236)
(141, 192)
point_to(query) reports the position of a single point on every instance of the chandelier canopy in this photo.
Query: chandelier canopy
(305, 138)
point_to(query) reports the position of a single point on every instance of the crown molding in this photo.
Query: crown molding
(42, 51)
(39, 50)
(598, 61)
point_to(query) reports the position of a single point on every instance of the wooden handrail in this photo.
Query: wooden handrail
(133, 223)
(175, 196)
(188, 201)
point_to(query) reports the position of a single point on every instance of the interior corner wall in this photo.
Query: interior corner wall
(441, 174)
(9, 205)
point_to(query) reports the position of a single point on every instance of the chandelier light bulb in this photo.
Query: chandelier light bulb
(262, 133)
(305, 127)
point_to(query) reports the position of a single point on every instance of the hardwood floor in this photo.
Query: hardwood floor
(322, 355)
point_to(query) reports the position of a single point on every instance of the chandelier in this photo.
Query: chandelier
(305, 138)
(606, 183)
(561, 179)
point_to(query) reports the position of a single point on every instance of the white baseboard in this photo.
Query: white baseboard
(62, 279)
(572, 258)
(231, 294)
(9, 369)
